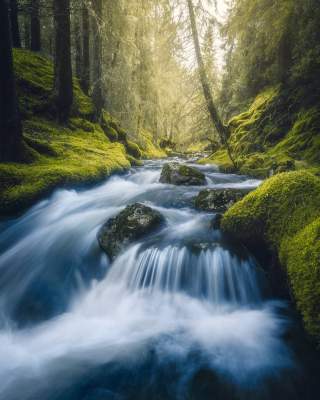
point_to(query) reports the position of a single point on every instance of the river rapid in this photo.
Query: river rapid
(184, 314)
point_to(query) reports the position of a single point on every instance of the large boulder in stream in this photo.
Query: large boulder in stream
(218, 200)
(182, 174)
(133, 223)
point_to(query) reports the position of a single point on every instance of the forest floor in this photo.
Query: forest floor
(58, 156)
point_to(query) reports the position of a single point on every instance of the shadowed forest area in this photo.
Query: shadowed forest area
(172, 146)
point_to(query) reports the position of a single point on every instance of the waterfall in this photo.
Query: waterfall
(211, 274)
(174, 313)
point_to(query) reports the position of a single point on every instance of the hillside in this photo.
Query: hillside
(54, 154)
(276, 134)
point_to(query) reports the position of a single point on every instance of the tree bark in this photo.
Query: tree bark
(10, 123)
(97, 93)
(26, 31)
(77, 45)
(85, 73)
(213, 112)
(16, 39)
(35, 26)
(63, 88)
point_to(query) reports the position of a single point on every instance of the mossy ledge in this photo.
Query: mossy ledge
(283, 214)
(59, 156)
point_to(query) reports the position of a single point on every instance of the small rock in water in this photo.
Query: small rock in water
(218, 199)
(134, 222)
(181, 174)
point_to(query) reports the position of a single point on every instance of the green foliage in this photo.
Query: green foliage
(284, 214)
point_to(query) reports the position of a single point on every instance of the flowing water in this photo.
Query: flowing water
(183, 314)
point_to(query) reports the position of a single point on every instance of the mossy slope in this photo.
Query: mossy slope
(283, 214)
(276, 134)
(61, 156)
(57, 155)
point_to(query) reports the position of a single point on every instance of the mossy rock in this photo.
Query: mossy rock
(122, 134)
(181, 174)
(133, 149)
(278, 209)
(132, 224)
(111, 133)
(282, 215)
(218, 200)
(301, 255)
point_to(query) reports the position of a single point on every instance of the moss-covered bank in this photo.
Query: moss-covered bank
(275, 134)
(82, 151)
(283, 214)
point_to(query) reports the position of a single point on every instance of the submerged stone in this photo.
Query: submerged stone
(133, 223)
(181, 174)
(218, 199)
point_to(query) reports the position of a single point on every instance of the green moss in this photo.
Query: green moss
(133, 149)
(278, 209)
(59, 163)
(303, 139)
(35, 77)
(221, 159)
(302, 258)
(111, 133)
(280, 214)
(148, 147)
(267, 139)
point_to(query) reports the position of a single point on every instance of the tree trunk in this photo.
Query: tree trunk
(97, 94)
(85, 73)
(63, 89)
(10, 123)
(220, 127)
(77, 45)
(35, 26)
(16, 40)
(26, 31)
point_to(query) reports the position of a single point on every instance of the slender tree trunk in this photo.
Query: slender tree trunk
(85, 73)
(77, 45)
(26, 31)
(16, 40)
(97, 93)
(220, 127)
(10, 123)
(63, 89)
(35, 26)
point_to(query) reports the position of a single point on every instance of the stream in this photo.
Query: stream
(184, 314)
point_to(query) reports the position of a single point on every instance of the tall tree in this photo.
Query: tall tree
(10, 123)
(16, 40)
(35, 26)
(213, 112)
(77, 43)
(85, 73)
(97, 93)
(63, 88)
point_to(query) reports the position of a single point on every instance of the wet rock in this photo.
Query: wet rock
(181, 174)
(216, 222)
(133, 223)
(218, 199)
